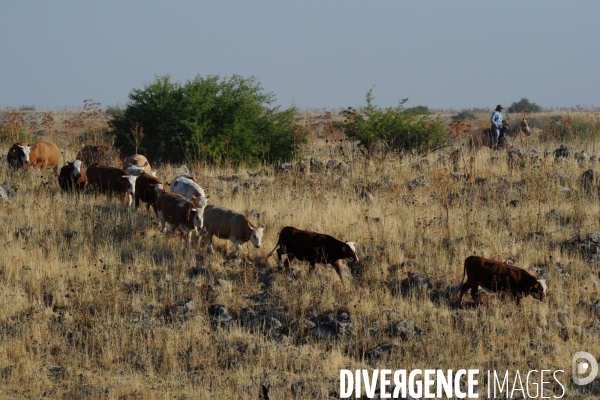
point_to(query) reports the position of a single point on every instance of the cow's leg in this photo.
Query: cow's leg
(336, 265)
(188, 232)
(211, 250)
(288, 262)
(466, 286)
(474, 290)
(162, 221)
(237, 245)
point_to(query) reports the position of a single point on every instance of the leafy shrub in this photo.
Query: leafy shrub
(419, 110)
(27, 108)
(465, 114)
(214, 119)
(393, 130)
(524, 106)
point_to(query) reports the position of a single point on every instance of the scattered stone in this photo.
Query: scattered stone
(588, 180)
(404, 329)
(332, 325)
(219, 314)
(7, 193)
(316, 164)
(562, 152)
(284, 168)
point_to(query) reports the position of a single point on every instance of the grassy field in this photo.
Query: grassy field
(97, 303)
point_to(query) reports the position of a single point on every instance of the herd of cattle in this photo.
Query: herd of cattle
(186, 207)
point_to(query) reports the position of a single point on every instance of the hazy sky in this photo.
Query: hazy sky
(314, 54)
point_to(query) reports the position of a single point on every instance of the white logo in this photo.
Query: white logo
(579, 368)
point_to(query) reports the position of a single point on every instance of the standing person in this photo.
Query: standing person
(496, 120)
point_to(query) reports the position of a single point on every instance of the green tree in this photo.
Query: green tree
(214, 119)
(465, 114)
(524, 105)
(392, 130)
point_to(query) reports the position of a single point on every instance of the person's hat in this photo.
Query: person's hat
(499, 107)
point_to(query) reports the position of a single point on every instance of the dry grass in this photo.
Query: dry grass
(97, 303)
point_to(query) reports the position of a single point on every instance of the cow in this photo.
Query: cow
(110, 180)
(313, 247)
(187, 186)
(496, 276)
(147, 189)
(72, 177)
(41, 155)
(92, 154)
(179, 211)
(228, 224)
(137, 160)
(13, 158)
(508, 133)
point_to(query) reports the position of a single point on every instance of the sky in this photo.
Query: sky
(311, 54)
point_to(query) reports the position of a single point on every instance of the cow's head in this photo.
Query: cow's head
(128, 181)
(24, 154)
(76, 165)
(256, 236)
(350, 251)
(158, 188)
(538, 290)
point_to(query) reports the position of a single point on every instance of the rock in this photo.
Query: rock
(589, 179)
(417, 182)
(302, 167)
(457, 176)
(284, 168)
(331, 164)
(367, 196)
(382, 350)
(7, 193)
(414, 284)
(316, 165)
(332, 325)
(404, 329)
(181, 170)
(219, 314)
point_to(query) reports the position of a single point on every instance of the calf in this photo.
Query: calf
(228, 224)
(313, 247)
(111, 180)
(137, 160)
(177, 210)
(72, 177)
(187, 186)
(147, 189)
(496, 276)
(39, 156)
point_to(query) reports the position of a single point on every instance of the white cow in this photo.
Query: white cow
(228, 224)
(186, 186)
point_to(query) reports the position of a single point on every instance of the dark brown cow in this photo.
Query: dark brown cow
(313, 247)
(39, 156)
(72, 177)
(13, 157)
(147, 189)
(496, 276)
(111, 180)
(177, 210)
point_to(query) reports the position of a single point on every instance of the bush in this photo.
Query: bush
(211, 119)
(419, 110)
(524, 106)
(465, 114)
(393, 130)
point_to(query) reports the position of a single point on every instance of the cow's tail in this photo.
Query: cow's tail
(275, 248)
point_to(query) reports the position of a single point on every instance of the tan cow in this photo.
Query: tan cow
(139, 161)
(228, 224)
(177, 210)
(41, 155)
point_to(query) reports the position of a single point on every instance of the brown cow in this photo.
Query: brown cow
(72, 177)
(314, 248)
(228, 224)
(496, 276)
(111, 180)
(147, 189)
(137, 161)
(39, 156)
(177, 210)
